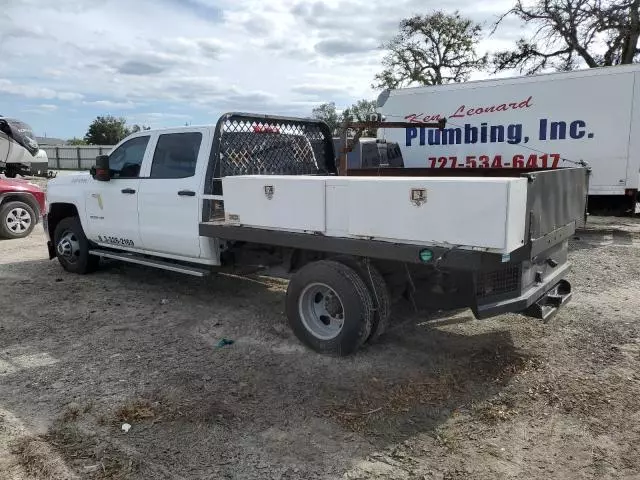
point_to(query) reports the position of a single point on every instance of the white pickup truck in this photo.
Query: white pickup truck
(265, 191)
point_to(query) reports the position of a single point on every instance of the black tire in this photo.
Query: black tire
(78, 259)
(355, 304)
(379, 293)
(12, 211)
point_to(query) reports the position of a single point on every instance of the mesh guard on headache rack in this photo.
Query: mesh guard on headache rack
(247, 144)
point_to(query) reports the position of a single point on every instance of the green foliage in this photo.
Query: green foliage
(327, 113)
(109, 130)
(431, 50)
(106, 130)
(360, 112)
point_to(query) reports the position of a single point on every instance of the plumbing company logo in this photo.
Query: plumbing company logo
(467, 133)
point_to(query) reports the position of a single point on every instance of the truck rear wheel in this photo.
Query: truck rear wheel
(72, 247)
(379, 293)
(329, 307)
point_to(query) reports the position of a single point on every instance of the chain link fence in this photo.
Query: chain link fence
(81, 157)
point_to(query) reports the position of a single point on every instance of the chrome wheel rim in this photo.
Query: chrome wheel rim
(68, 246)
(18, 220)
(321, 311)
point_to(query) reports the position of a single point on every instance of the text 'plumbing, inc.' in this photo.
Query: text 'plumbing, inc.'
(468, 134)
(485, 132)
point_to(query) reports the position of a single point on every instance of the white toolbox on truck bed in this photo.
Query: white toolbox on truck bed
(470, 213)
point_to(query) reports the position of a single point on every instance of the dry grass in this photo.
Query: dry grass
(158, 407)
(493, 413)
(447, 438)
(136, 411)
(71, 412)
(392, 400)
(451, 387)
(97, 460)
(40, 461)
(68, 448)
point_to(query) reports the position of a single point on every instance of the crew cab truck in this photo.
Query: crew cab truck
(264, 190)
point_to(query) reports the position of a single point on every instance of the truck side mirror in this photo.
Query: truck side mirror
(101, 170)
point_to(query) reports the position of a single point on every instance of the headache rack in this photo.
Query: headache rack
(250, 144)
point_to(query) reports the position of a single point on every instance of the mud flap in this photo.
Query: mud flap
(52, 251)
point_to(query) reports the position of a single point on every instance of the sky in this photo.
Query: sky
(171, 62)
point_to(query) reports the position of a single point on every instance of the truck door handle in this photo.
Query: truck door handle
(187, 193)
(128, 190)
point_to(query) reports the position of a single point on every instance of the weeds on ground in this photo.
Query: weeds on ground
(136, 410)
(392, 400)
(37, 458)
(67, 446)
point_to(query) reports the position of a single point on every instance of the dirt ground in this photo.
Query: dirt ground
(438, 398)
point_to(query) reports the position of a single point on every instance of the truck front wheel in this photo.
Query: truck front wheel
(72, 247)
(329, 307)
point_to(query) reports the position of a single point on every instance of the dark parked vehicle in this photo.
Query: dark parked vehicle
(373, 153)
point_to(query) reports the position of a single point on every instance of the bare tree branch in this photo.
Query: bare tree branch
(573, 31)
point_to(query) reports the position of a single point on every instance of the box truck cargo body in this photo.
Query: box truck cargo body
(542, 121)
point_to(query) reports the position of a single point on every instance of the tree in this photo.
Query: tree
(570, 33)
(106, 130)
(327, 113)
(360, 112)
(76, 141)
(431, 50)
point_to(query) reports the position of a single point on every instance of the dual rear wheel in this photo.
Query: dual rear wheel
(336, 306)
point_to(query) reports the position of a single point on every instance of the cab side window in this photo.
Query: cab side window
(176, 155)
(125, 161)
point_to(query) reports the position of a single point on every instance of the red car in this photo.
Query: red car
(22, 205)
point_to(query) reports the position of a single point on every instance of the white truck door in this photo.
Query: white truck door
(171, 193)
(112, 207)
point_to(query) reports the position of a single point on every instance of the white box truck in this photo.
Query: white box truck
(264, 191)
(541, 121)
